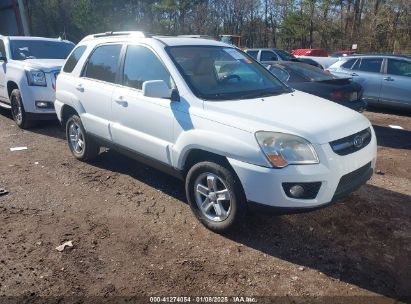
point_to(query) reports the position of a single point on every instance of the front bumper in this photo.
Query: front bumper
(263, 186)
(31, 94)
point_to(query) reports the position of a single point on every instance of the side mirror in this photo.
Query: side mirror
(159, 89)
(3, 57)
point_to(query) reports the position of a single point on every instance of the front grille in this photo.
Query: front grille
(352, 181)
(352, 143)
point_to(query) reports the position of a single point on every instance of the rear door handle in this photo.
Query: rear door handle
(354, 74)
(80, 88)
(388, 78)
(120, 100)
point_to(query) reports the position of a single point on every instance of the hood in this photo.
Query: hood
(46, 65)
(317, 120)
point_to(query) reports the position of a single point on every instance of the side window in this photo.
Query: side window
(268, 56)
(141, 65)
(73, 59)
(253, 54)
(103, 63)
(280, 73)
(399, 67)
(371, 65)
(2, 48)
(348, 64)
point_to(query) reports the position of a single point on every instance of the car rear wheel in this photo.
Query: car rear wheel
(215, 196)
(81, 145)
(18, 112)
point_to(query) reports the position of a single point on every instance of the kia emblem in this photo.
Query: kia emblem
(358, 141)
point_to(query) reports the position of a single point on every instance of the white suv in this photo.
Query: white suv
(28, 71)
(208, 113)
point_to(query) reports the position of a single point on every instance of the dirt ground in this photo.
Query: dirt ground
(134, 234)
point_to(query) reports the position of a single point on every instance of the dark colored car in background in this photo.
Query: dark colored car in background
(312, 80)
(269, 56)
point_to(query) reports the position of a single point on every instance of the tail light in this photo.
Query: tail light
(55, 83)
(338, 95)
(345, 96)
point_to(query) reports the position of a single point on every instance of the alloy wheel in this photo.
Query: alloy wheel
(212, 197)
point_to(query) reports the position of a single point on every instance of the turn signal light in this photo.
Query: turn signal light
(277, 160)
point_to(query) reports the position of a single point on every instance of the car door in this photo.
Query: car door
(3, 85)
(142, 124)
(96, 86)
(267, 57)
(368, 72)
(396, 85)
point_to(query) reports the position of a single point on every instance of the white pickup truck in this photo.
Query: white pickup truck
(28, 70)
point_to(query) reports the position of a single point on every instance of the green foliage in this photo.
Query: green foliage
(375, 25)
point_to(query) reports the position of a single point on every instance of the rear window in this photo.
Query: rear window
(309, 72)
(103, 63)
(73, 59)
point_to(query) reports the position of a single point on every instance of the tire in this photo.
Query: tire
(18, 112)
(223, 215)
(81, 145)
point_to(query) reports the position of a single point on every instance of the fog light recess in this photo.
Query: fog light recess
(302, 190)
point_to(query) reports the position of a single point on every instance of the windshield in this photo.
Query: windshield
(285, 55)
(222, 73)
(310, 72)
(40, 49)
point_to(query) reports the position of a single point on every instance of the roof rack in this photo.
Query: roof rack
(136, 34)
(131, 33)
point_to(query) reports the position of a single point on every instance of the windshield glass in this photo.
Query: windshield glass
(310, 72)
(222, 73)
(39, 49)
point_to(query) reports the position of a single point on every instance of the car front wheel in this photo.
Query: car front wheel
(81, 145)
(18, 112)
(216, 197)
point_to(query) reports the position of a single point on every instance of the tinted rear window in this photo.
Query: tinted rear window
(103, 63)
(309, 72)
(73, 59)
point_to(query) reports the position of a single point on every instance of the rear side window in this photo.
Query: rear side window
(141, 65)
(73, 59)
(348, 64)
(399, 67)
(371, 65)
(268, 56)
(280, 73)
(103, 63)
(253, 54)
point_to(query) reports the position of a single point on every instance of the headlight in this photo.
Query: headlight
(285, 149)
(36, 78)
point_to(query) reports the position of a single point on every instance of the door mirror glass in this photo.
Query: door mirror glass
(156, 89)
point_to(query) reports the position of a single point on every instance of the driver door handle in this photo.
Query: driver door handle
(354, 74)
(388, 78)
(120, 100)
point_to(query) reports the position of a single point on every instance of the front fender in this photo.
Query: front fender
(241, 146)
